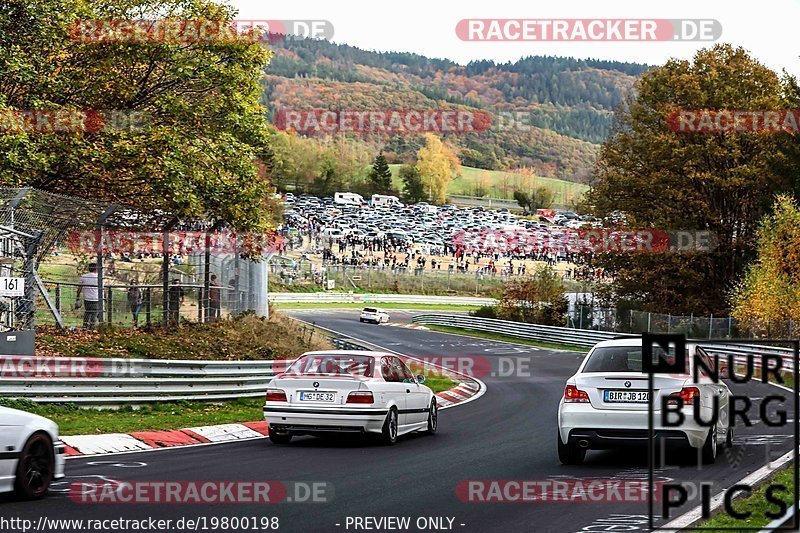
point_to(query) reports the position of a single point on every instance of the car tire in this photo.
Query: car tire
(390, 428)
(279, 438)
(433, 418)
(569, 454)
(709, 453)
(36, 467)
(361, 320)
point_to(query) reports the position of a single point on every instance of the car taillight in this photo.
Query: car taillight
(360, 397)
(688, 394)
(276, 395)
(573, 394)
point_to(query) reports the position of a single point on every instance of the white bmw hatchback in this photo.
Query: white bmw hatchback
(349, 392)
(605, 404)
(31, 456)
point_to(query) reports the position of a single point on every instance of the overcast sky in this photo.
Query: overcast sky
(767, 29)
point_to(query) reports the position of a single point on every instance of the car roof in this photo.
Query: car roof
(367, 353)
(624, 341)
(627, 341)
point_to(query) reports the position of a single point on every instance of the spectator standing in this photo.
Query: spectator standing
(88, 286)
(135, 301)
(176, 296)
(214, 298)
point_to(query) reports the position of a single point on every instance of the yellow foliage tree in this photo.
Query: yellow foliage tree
(769, 294)
(438, 165)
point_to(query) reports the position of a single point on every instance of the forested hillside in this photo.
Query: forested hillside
(568, 102)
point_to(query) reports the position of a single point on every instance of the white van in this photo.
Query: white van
(383, 200)
(348, 198)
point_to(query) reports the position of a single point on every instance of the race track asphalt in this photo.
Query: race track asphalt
(507, 434)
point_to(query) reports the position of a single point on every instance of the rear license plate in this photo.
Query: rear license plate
(308, 396)
(626, 396)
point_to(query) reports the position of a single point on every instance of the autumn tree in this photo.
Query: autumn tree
(769, 293)
(438, 165)
(380, 176)
(718, 182)
(195, 152)
(413, 187)
(537, 299)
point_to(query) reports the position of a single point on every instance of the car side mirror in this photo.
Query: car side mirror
(420, 379)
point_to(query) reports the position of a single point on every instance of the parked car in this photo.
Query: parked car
(341, 391)
(31, 455)
(605, 404)
(374, 315)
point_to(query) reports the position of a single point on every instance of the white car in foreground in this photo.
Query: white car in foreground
(605, 404)
(349, 392)
(374, 315)
(31, 456)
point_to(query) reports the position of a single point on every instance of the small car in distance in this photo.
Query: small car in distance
(374, 315)
(349, 391)
(605, 404)
(31, 455)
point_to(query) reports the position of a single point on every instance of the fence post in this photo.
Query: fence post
(580, 317)
(58, 298)
(147, 305)
(791, 327)
(109, 296)
(730, 323)
(649, 315)
(710, 324)
(669, 323)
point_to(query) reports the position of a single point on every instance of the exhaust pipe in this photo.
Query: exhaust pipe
(583, 443)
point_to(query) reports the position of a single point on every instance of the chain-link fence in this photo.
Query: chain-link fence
(287, 275)
(587, 316)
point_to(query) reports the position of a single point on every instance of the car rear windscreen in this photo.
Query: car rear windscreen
(355, 365)
(370, 310)
(615, 359)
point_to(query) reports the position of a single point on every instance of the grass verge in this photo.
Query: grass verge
(74, 420)
(504, 338)
(756, 504)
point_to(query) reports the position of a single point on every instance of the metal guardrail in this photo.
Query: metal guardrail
(586, 338)
(118, 381)
(131, 381)
(551, 334)
(345, 297)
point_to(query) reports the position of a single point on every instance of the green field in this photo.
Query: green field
(501, 184)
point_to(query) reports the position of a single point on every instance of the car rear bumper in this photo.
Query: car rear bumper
(59, 452)
(319, 419)
(616, 428)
